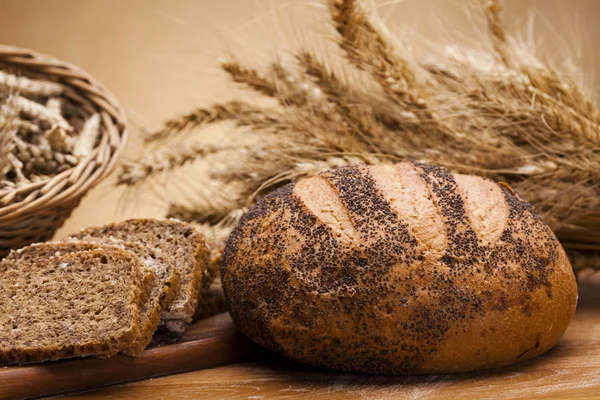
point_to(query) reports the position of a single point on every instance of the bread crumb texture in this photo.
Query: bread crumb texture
(406, 269)
(71, 305)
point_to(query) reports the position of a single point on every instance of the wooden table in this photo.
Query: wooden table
(571, 370)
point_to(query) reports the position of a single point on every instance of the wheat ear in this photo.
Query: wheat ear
(241, 112)
(40, 112)
(133, 173)
(27, 86)
(368, 49)
(250, 77)
(493, 11)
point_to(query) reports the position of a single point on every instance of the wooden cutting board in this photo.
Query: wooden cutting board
(208, 343)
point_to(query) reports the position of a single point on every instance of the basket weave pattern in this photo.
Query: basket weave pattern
(34, 212)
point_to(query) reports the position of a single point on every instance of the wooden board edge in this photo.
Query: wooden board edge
(89, 373)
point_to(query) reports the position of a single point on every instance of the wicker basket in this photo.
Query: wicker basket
(34, 212)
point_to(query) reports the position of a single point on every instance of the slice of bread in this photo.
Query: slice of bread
(149, 313)
(166, 282)
(73, 305)
(188, 252)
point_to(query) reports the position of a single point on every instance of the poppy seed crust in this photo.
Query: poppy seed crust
(376, 296)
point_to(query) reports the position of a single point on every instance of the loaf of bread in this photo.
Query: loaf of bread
(72, 305)
(404, 269)
(182, 245)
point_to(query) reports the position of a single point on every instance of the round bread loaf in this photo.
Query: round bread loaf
(404, 269)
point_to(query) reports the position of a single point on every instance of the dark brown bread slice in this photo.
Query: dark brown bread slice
(149, 313)
(163, 288)
(187, 249)
(74, 305)
(37, 251)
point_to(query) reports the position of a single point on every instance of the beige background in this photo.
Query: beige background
(160, 57)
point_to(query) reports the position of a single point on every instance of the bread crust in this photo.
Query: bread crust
(384, 302)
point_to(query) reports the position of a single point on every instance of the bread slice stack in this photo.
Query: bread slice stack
(182, 245)
(103, 291)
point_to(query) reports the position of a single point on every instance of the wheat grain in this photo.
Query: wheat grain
(25, 126)
(54, 105)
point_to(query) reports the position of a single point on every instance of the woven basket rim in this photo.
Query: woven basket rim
(76, 181)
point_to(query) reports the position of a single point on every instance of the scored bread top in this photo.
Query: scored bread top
(178, 240)
(403, 269)
(70, 305)
(408, 195)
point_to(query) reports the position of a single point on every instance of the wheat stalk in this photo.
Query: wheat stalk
(498, 112)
